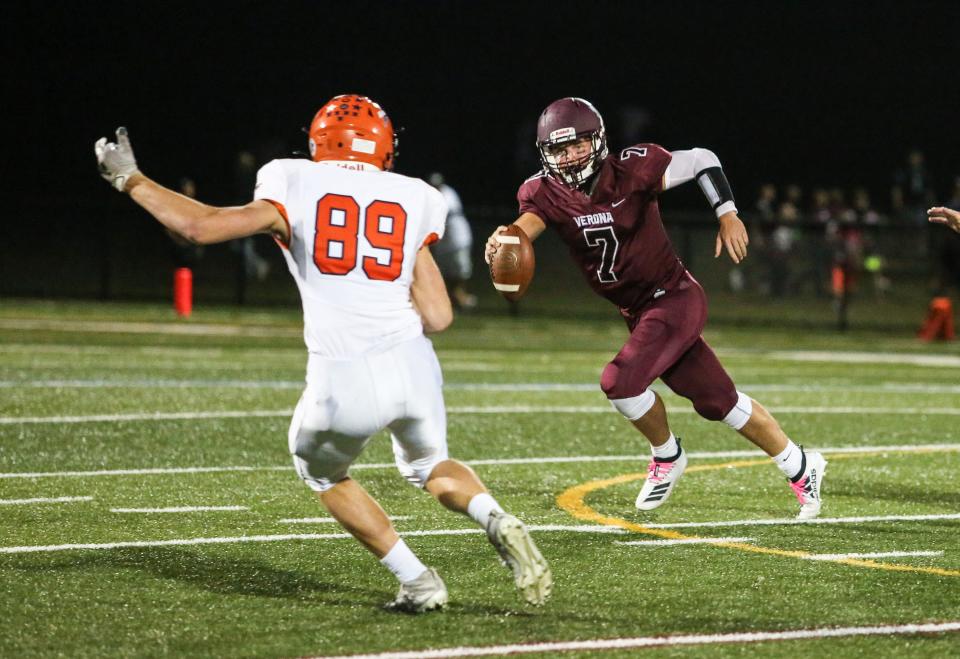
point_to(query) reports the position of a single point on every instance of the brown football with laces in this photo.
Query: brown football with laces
(511, 268)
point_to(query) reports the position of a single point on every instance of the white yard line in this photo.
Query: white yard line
(508, 387)
(685, 541)
(780, 409)
(191, 329)
(22, 502)
(659, 641)
(845, 357)
(330, 520)
(151, 384)
(139, 472)
(179, 509)
(794, 520)
(875, 554)
(466, 409)
(900, 448)
(281, 538)
(147, 416)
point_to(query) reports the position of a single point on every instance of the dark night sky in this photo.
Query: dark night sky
(829, 93)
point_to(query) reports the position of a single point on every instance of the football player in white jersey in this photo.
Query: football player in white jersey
(355, 239)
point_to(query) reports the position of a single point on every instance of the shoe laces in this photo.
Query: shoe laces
(657, 471)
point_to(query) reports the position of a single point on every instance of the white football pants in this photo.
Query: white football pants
(348, 401)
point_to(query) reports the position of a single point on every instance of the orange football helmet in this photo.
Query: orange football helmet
(352, 127)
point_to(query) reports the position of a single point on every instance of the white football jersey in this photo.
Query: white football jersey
(354, 236)
(458, 235)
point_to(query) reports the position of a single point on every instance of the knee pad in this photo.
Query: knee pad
(636, 406)
(737, 417)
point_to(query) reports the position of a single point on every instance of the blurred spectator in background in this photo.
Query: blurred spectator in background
(452, 252)
(813, 255)
(794, 194)
(912, 189)
(759, 223)
(766, 204)
(783, 247)
(845, 239)
(911, 195)
(820, 206)
(252, 264)
(185, 253)
(762, 223)
(874, 263)
(863, 208)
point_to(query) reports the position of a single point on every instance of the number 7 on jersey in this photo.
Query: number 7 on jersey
(605, 238)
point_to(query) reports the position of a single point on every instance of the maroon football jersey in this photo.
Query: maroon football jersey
(615, 235)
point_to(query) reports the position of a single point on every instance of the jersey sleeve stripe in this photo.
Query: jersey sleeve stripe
(431, 238)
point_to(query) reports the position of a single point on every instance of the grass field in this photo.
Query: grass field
(148, 507)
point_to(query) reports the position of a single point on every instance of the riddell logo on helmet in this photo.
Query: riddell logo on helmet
(563, 133)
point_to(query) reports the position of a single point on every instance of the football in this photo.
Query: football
(511, 268)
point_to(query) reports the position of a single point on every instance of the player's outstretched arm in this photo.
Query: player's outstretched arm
(429, 294)
(532, 225)
(193, 220)
(703, 166)
(942, 215)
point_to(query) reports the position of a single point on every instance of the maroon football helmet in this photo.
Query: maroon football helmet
(569, 120)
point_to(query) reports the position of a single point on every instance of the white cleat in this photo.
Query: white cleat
(807, 488)
(512, 540)
(661, 477)
(425, 593)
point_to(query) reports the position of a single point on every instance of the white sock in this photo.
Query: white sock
(790, 460)
(666, 450)
(403, 563)
(480, 508)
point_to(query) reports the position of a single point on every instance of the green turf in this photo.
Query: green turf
(322, 596)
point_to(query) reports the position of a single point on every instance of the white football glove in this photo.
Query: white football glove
(116, 160)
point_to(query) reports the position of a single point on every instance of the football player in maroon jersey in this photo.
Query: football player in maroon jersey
(604, 207)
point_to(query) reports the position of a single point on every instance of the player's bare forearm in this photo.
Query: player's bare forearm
(532, 225)
(732, 237)
(429, 295)
(943, 215)
(201, 223)
(178, 213)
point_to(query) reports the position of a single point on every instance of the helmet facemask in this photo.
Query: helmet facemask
(577, 172)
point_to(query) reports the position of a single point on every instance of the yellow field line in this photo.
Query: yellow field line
(572, 501)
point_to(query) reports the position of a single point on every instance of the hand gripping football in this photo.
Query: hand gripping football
(511, 268)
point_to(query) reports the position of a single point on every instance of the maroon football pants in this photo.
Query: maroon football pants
(665, 343)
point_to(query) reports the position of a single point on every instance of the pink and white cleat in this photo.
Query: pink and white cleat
(662, 475)
(807, 487)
